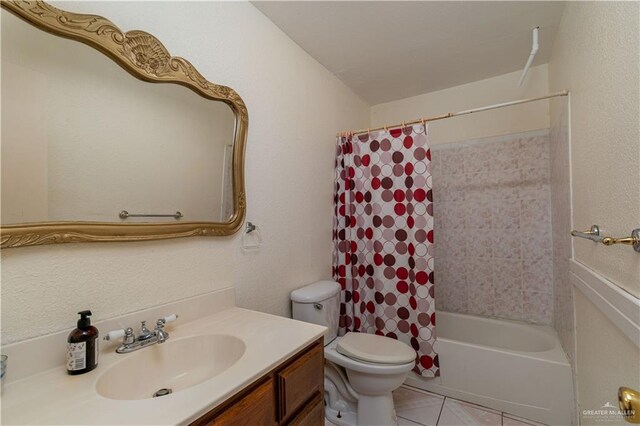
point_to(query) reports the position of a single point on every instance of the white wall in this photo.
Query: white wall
(295, 107)
(606, 360)
(502, 88)
(596, 56)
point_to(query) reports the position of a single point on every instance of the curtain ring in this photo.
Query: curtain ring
(403, 125)
(422, 121)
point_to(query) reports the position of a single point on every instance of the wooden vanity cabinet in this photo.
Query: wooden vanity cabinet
(290, 394)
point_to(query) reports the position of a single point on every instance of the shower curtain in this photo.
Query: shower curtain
(383, 238)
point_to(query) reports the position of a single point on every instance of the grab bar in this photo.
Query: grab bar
(125, 214)
(593, 234)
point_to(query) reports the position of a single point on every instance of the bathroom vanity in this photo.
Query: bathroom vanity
(290, 394)
(225, 365)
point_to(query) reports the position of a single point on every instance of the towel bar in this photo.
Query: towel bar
(125, 214)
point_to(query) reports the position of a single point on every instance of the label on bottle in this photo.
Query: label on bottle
(77, 356)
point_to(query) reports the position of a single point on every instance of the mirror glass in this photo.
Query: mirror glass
(82, 140)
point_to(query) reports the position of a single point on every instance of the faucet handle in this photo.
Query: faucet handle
(114, 334)
(129, 337)
(169, 318)
(161, 335)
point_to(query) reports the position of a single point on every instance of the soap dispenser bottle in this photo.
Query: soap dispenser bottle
(82, 347)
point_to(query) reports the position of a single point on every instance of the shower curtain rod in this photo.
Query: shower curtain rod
(455, 114)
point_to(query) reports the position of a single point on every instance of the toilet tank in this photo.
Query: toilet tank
(318, 303)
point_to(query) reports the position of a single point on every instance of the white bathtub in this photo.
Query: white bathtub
(506, 365)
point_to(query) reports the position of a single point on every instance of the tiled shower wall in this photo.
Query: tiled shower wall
(561, 218)
(492, 226)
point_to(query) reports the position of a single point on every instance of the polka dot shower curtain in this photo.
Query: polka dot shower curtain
(383, 239)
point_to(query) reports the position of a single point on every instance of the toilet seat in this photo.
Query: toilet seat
(375, 349)
(331, 354)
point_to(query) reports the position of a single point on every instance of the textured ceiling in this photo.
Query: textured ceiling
(395, 49)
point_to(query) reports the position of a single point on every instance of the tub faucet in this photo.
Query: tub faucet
(131, 343)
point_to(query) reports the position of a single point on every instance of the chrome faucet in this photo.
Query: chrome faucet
(145, 333)
(146, 337)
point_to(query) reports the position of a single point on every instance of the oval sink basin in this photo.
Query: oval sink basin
(174, 365)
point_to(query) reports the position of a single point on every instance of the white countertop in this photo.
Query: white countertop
(54, 398)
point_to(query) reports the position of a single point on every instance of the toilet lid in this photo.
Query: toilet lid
(375, 349)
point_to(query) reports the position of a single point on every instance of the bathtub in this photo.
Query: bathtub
(506, 365)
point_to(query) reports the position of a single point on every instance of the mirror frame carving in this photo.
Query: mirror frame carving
(145, 58)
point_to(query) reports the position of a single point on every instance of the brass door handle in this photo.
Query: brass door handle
(629, 403)
(609, 241)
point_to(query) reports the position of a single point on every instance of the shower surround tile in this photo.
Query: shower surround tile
(507, 157)
(507, 274)
(493, 234)
(509, 303)
(506, 244)
(538, 275)
(505, 214)
(478, 214)
(538, 244)
(537, 307)
(505, 185)
(535, 184)
(560, 182)
(479, 244)
(477, 159)
(535, 213)
(452, 161)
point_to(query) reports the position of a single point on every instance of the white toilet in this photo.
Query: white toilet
(361, 370)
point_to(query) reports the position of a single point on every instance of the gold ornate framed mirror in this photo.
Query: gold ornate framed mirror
(169, 171)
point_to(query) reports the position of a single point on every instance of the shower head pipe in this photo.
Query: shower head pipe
(534, 49)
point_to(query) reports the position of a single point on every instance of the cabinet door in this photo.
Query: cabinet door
(300, 381)
(312, 414)
(255, 408)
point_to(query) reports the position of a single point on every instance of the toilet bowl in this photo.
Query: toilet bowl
(361, 370)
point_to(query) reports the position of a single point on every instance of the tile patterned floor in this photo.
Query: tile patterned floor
(416, 407)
